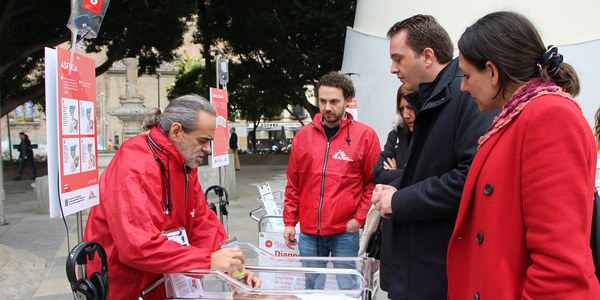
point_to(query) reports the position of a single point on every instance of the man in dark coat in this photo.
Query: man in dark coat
(233, 147)
(424, 202)
(25, 156)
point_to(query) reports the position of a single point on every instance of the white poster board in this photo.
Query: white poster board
(274, 244)
(271, 208)
(71, 132)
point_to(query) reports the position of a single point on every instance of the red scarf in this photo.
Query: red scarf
(523, 95)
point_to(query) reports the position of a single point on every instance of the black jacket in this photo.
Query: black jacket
(233, 141)
(446, 129)
(396, 146)
(25, 149)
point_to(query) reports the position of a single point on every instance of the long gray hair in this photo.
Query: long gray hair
(183, 110)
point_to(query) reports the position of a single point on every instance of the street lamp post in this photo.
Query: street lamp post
(2, 193)
(216, 53)
(104, 120)
(158, 88)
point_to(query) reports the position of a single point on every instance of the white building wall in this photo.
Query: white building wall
(573, 26)
(560, 22)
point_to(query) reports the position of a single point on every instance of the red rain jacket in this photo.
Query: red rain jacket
(130, 217)
(330, 183)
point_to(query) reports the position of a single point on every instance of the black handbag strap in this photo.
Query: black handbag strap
(595, 236)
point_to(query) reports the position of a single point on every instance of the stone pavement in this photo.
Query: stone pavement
(34, 247)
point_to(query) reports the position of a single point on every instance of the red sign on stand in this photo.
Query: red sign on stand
(353, 108)
(220, 145)
(92, 5)
(71, 118)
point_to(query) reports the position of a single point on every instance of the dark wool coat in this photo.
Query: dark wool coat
(446, 129)
(396, 146)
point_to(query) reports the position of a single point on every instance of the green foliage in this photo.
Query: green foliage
(278, 47)
(150, 30)
(189, 78)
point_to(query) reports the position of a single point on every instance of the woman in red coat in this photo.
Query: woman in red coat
(523, 227)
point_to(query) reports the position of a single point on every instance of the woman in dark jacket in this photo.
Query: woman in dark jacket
(25, 156)
(390, 166)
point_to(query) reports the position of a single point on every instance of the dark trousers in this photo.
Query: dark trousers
(22, 163)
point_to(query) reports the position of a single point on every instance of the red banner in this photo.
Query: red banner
(220, 145)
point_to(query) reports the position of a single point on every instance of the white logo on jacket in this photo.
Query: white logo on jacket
(341, 156)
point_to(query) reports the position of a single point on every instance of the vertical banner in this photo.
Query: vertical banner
(71, 131)
(220, 145)
(353, 108)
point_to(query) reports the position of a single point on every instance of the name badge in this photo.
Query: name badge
(183, 286)
(178, 236)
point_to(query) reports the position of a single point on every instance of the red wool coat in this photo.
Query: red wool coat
(523, 227)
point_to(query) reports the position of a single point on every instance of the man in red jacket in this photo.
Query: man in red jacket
(151, 188)
(330, 180)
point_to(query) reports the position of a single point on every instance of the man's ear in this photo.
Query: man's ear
(429, 56)
(175, 131)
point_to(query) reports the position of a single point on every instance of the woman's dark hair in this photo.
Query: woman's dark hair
(402, 91)
(512, 43)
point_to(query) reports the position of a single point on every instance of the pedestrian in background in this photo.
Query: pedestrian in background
(330, 181)
(524, 223)
(233, 148)
(423, 203)
(25, 156)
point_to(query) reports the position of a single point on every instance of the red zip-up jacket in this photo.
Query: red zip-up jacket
(330, 183)
(130, 217)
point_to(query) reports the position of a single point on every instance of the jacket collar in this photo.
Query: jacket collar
(162, 147)
(428, 95)
(318, 120)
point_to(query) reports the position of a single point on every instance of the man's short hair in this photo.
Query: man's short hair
(423, 31)
(337, 80)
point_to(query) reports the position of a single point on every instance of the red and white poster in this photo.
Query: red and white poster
(92, 5)
(353, 108)
(220, 145)
(274, 244)
(71, 128)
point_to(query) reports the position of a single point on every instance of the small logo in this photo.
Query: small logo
(269, 243)
(92, 195)
(193, 213)
(340, 155)
(221, 122)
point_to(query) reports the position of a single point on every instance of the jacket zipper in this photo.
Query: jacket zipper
(321, 196)
(186, 198)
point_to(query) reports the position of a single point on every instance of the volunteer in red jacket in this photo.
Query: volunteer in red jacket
(523, 226)
(151, 188)
(330, 180)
